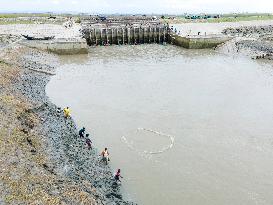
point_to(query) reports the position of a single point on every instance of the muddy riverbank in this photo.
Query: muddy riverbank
(42, 159)
(251, 38)
(254, 41)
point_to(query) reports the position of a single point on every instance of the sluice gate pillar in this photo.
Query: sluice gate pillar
(104, 34)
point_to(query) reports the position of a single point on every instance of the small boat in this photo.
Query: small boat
(38, 38)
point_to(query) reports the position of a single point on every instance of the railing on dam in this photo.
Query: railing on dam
(119, 33)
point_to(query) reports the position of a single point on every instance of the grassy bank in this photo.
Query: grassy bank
(28, 18)
(16, 22)
(16, 15)
(237, 18)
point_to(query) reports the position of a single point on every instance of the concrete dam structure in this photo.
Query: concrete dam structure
(125, 33)
(141, 30)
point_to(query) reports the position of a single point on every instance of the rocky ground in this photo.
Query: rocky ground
(43, 161)
(217, 28)
(253, 41)
(254, 31)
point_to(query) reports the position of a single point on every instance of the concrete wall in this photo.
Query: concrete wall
(126, 35)
(179, 41)
(197, 42)
(59, 46)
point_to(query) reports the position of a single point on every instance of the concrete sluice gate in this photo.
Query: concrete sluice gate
(119, 35)
(139, 31)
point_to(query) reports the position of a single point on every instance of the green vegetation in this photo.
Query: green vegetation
(16, 15)
(78, 20)
(16, 22)
(239, 17)
(222, 18)
(14, 18)
(28, 18)
(36, 18)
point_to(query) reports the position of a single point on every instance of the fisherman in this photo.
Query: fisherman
(66, 112)
(117, 175)
(81, 132)
(88, 141)
(59, 111)
(105, 155)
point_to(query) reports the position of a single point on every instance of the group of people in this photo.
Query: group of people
(87, 139)
(104, 154)
(69, 23)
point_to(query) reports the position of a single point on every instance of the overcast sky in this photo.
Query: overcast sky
(137, 6)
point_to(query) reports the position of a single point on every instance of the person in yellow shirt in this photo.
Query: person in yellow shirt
(66, 112)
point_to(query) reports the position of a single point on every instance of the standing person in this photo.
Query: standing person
(105, 155)
(59, 111)
(117, 175)
(82, 132)
(66, 112)
(88, 141)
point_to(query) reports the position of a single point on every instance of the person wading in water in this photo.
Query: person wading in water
(88, 141)
(105, 156)
(117, 175)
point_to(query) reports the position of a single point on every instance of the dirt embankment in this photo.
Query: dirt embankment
(254, 41)
(42, 159)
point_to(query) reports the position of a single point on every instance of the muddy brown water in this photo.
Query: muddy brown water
(218, 108)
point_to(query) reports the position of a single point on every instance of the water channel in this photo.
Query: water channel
(185, 126)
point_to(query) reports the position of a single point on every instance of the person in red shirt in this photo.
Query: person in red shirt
(88, 141)
(117, 175)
